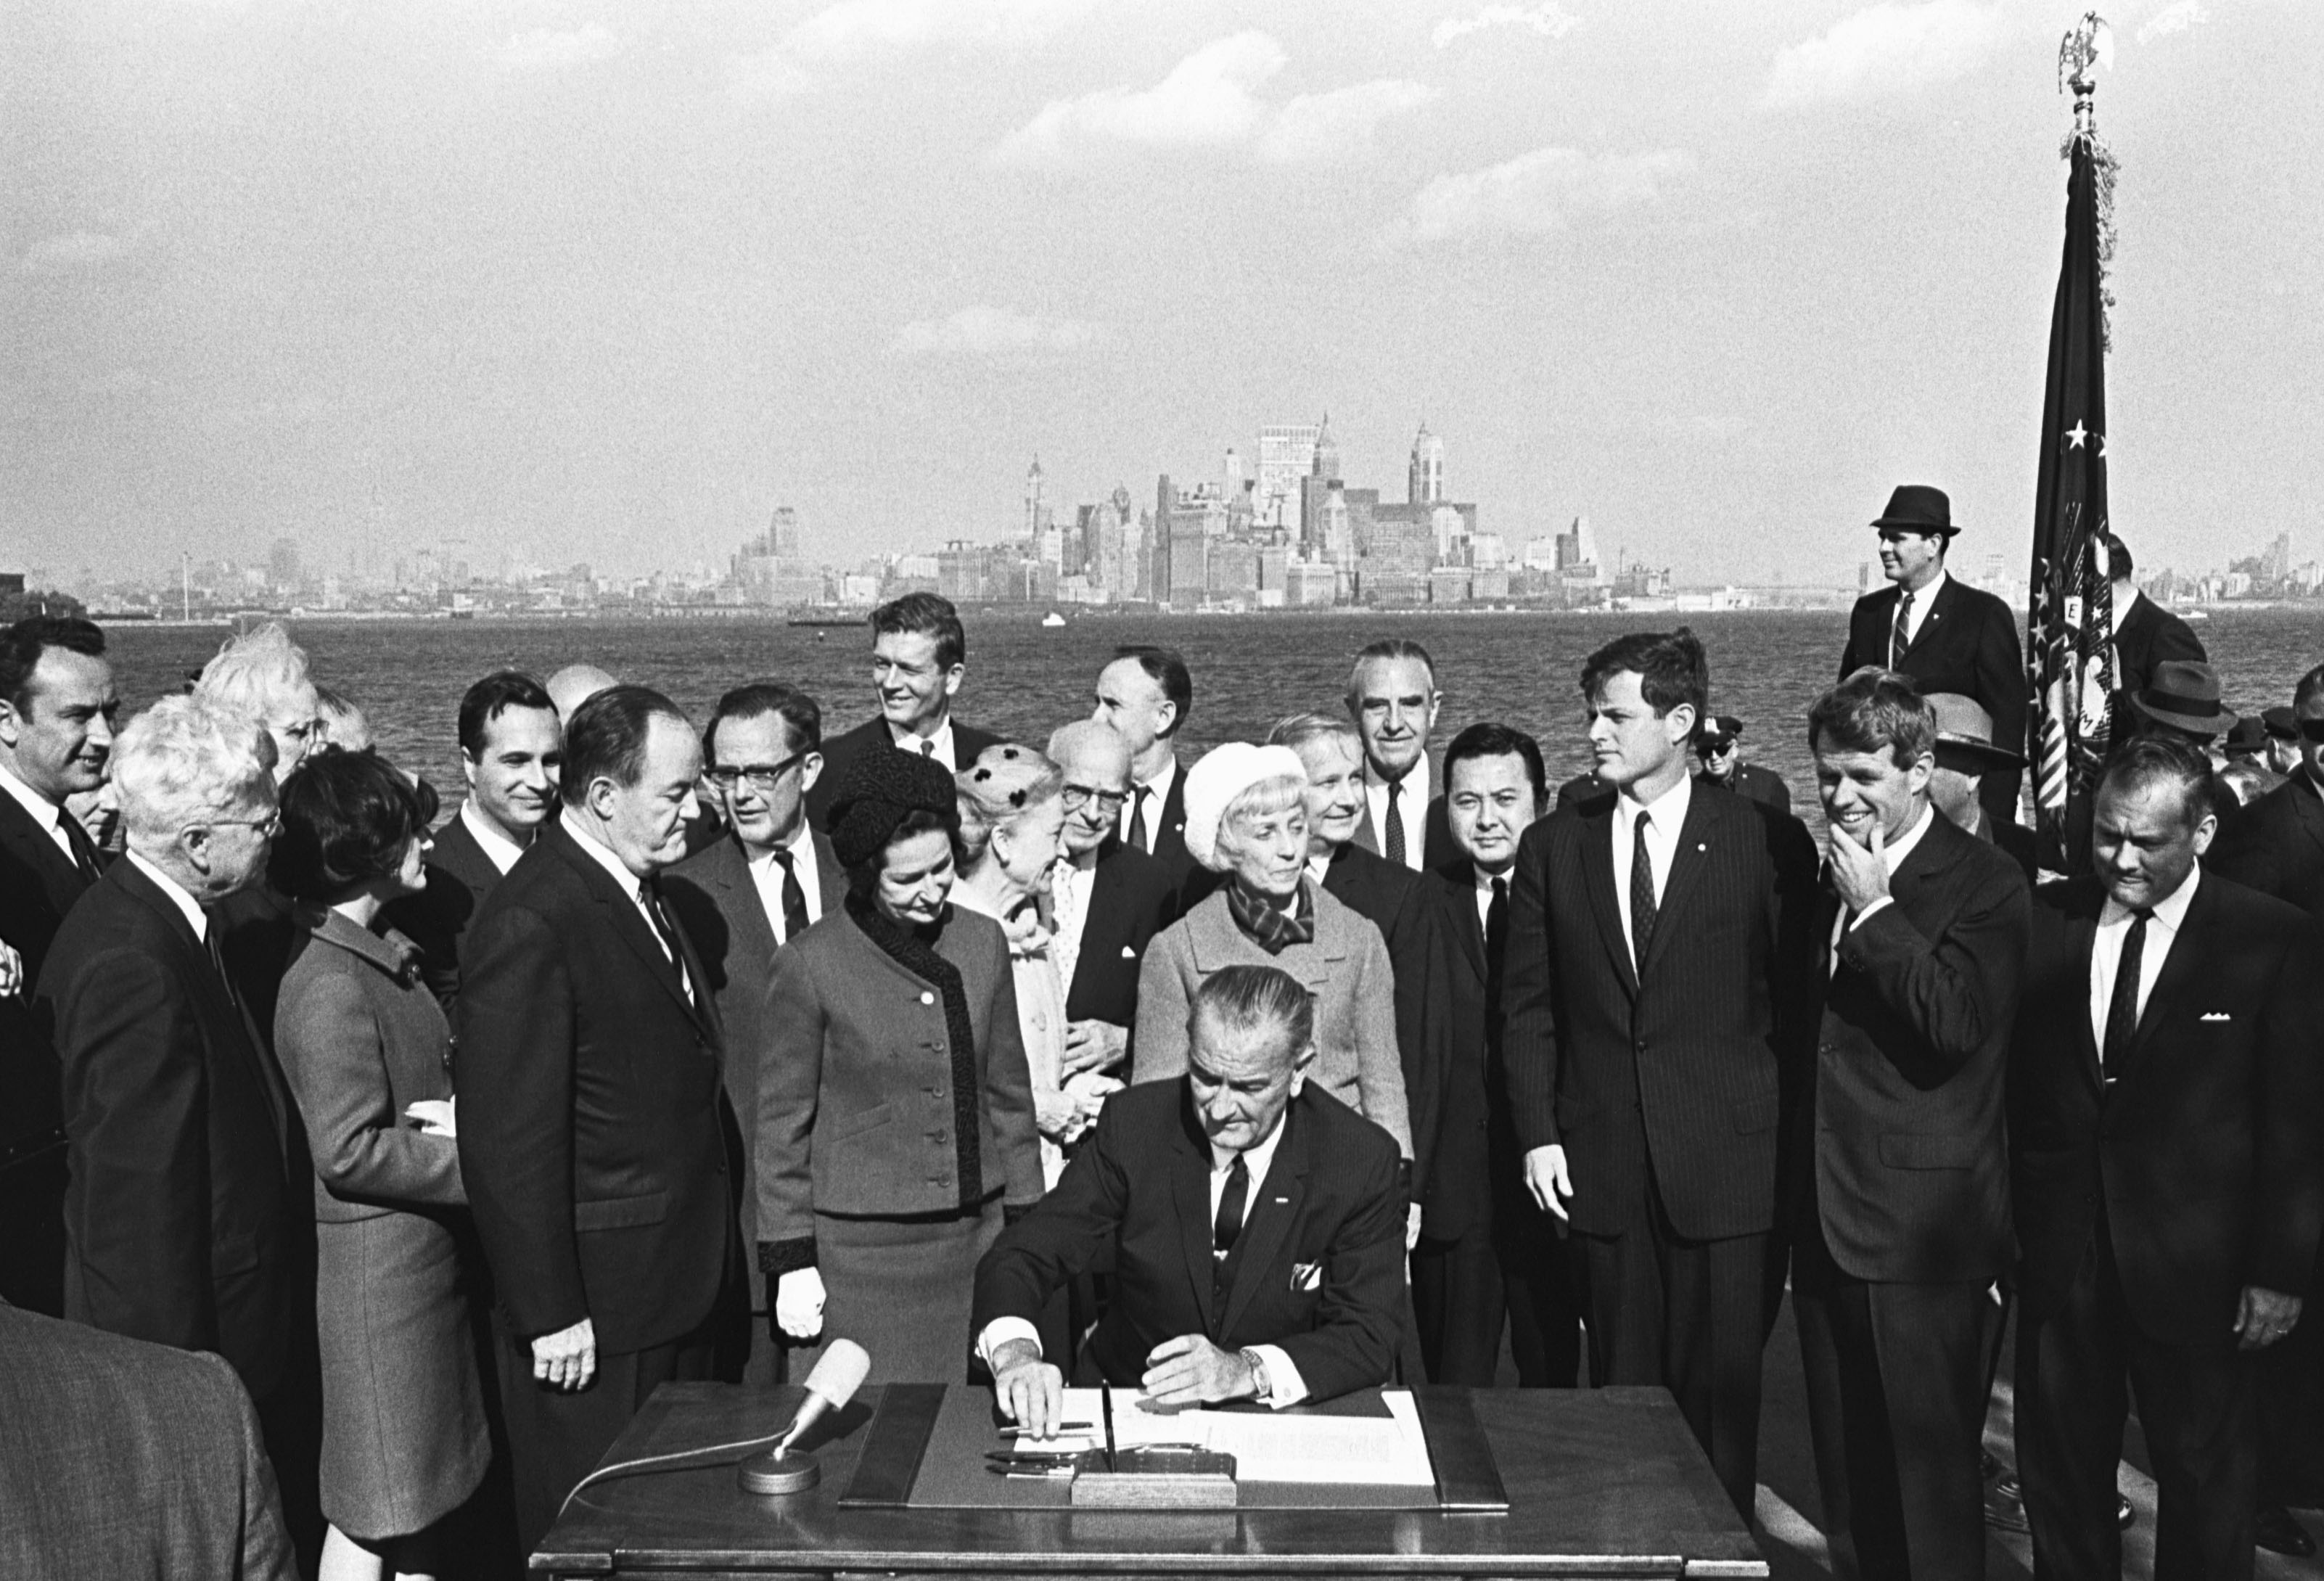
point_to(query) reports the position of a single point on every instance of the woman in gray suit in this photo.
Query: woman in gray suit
(895, 1120)
(364, 1049)
(1246, 817)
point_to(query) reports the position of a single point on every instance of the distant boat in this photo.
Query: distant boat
(2195, 614)
(1053, 621)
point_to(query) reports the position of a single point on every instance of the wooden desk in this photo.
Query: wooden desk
(1601, 1483)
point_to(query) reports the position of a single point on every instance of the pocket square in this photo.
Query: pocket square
(1128, 953)
(1307, 1276)
(2216, 1015)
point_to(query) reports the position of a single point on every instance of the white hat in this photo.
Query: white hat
(1225, 773)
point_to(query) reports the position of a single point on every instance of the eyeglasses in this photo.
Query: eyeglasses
(265, 828)
(763, 777)
(1080, 796)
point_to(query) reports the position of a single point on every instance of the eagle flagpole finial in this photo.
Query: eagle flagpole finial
(2088, 45)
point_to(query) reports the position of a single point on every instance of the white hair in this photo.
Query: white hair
(261, 672)
(187, 759)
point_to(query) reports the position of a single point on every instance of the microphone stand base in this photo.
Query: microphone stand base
(765, 1473)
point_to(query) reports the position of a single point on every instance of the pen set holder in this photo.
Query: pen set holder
(1154, 1477)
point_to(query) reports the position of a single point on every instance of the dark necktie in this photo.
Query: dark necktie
(84, 850)
(1227, 1228)
(1392, 840)
(1139, 838)
(1642, 893)
(2122, 1008)
(1901, 638)
(927, 746)
(1497, 940)
(652, 900)
(794, 898)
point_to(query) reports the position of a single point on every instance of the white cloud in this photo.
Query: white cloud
(73, 252)
(1207, 101)
(547, 49)
(2174, 18)
(1212, 100)
(986, 331)
(1315, 127)
(1549, 19)
(1885, 48)
(765, 78)
(853, 28)
(1536, 192)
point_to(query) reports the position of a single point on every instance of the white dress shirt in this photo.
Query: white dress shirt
(1154, 795)
(1666, 817)
(2106, 949)
(1411, 808)
(1892, 858)
(1069, 903)
(499, 850)
(1284, 1386)
(1918, 617)
(192, 908)
(635, 887)
(47, 814)
(767, 875)
(911, 741)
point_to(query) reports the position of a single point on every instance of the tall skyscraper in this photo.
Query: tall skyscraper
(1426, 482)
(1285, 452)
(1036, 517)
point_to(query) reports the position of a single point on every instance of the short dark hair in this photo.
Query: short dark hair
(2147, 760)
(1247, 996)
(802, 715)
(1388, 647)
(606, 738)
(2310, 685)
(929, 614)
(21, 645)
(1671, 667)
(1166, 667)
(1486, 739)
(491, 698)
(347, 818)
(1873, 710)
(2118, 560)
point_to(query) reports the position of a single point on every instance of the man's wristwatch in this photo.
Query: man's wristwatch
(1251, 1359)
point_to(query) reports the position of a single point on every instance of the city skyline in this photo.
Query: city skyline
(598, 279)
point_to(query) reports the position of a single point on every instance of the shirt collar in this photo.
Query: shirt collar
(499, 850)
(45, 812)
(1893, 854)
(1259, 1154)
(1667, 810)
(910, 741)
(192, 908)
(801, 850)
(1928, 594)
(2171, 910)
(1161, 783)
(1485, 880)
(1414, 781)
(602, 855)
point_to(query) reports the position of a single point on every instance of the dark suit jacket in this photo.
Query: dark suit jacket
(122, 1458)
(1404, 906)
(2205, 1149)
(38, 885)
(2147, 636)
(719, 906)
(1435, 831)
(1166, 839)
(1691, 1052)
(1470, 1109)
(593, 1139)
(2276, 845)
(1755, 782)
(189, 1214)
(460, 876)
(1910, 1175)
(968, 744)
(1132, 898)
(1967, 645)
(1136, 1199)
(856, 1089)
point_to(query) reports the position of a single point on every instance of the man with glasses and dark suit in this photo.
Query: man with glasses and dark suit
(768, 879)
(1107, 900)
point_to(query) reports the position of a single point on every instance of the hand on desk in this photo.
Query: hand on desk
(1191, 1370)
(566, 1359)
(798, 1303)
(1030, 1389)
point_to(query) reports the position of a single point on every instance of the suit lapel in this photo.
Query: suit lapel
(1462, 898)
(2182, 969)
(2085, 938)
(1597, 872)
(629, 926)
(1687, 862)
(1190, 1188)
(830, 878)
(2310, 804)
(60, 881)
(1937, 608)
(730, 870)
(1275, 1207)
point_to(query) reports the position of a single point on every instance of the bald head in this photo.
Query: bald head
(1095, 762)
(575, 685)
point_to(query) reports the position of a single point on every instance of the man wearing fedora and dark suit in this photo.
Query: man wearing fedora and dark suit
(1966, 753)
(1946, 636)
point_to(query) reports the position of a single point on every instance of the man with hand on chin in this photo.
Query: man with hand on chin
(1901, 1222)
(1253, 1224)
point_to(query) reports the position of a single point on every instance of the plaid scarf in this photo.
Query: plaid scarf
(1269, 925)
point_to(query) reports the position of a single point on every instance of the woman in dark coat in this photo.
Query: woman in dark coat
(895, 1119)
(364, 1049)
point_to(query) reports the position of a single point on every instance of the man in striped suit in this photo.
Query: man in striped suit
(1659, 958)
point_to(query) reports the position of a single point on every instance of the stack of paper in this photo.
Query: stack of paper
(1270, 1446)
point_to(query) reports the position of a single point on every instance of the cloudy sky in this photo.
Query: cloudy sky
(612, 278)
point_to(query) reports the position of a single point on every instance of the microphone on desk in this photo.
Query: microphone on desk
(829, 1387)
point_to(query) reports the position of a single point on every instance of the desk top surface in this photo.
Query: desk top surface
(1603, 1483)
